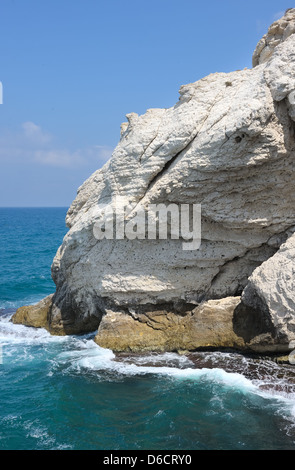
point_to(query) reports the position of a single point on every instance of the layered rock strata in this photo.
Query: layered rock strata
(228, 144)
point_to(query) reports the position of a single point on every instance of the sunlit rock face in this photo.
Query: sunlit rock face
(228, 145)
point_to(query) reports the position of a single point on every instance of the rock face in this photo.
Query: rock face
(229, 145)
(207, 326)
(34, 315)
(270, 293)
(279, 31)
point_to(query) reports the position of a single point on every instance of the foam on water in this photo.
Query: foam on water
(16, 334)
(78, 355)
(82, 353)
(52, 386)
(101, 359)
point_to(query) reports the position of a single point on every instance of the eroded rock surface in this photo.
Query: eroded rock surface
(227, 144)
(36, 316)
(270, 293)
(278, 32)
(209, 325)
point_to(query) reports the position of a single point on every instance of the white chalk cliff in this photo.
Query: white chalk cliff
(227, 144)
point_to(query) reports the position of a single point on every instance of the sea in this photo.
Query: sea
(67, 393)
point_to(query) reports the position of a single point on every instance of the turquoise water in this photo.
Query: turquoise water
(68, 393)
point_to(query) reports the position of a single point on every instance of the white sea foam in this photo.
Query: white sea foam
(81, 354)
(20, 334)
(93, 358)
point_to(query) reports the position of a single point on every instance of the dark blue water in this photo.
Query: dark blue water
(68, 393)
(29, 239)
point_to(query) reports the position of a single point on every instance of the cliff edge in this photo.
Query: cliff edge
(228, 146)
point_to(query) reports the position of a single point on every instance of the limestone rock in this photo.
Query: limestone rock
(209, 325)
(34, 315)
(75, 316)
(278, 32)
(271, 292)
(227, 144)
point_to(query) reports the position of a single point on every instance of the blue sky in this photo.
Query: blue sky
(72, 69)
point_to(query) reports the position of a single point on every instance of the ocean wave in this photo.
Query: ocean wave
(80, 354)
(20, 334)
(104, 360)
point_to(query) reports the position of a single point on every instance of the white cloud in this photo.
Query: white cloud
(59, 158)
(35, 134)
(34, 145)
(64, 158)
(103, 151)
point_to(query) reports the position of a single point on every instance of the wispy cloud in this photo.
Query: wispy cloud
(65, 158)
(35, 134)
(57, 157)
(30, 143)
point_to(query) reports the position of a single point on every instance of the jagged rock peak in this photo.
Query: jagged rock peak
(278, 32)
